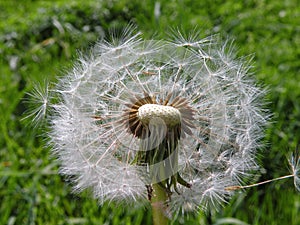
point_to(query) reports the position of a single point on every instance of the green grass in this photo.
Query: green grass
(39, 40)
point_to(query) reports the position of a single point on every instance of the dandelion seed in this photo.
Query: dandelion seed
(294, 162)
(39, 99)
(136, 115)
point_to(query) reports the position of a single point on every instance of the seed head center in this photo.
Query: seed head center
(169, 114)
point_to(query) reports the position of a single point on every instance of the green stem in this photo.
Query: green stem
(159, 206)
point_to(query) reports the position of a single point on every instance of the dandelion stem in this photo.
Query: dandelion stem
(159, 207)
(232, 188)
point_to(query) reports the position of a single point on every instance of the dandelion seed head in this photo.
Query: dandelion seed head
(182, 113)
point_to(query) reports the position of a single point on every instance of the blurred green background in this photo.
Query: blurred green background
(40, 39)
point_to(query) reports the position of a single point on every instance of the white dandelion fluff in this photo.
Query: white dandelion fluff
(183, 114)
(294, 162)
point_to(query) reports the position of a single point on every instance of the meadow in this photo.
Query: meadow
(40, 40)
